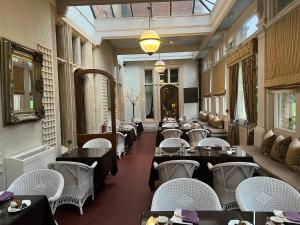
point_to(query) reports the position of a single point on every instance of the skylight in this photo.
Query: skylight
(164, 8)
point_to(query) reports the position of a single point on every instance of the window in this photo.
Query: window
(247, 29)
(217, 102)
(205, 104)
(241, 113)
(209, 104)
(224, 105)
(281, 4)
(170, 76)
(149, 94)
(285, 114)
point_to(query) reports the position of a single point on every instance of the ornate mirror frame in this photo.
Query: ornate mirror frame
(11, 116)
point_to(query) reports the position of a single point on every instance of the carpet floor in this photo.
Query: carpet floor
(125, 196)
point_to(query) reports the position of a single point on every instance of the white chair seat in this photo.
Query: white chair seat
(185, 193)
(171, 133)
(174, 142)
(79, 182)
(97, 143)
(266, 194)
(213, 142)
(39, 182)
(196, 135)
(227, 176)
(120, 143)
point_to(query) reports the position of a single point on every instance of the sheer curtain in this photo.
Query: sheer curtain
(149, 101)
(233, 136)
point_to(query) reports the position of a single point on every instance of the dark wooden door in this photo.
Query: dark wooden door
(169, 101)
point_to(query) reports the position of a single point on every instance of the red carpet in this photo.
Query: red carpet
(125, 195)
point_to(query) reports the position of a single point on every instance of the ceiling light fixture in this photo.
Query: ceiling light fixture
(160, 66)
(149, 40)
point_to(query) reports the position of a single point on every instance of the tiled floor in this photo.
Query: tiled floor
(125, 196)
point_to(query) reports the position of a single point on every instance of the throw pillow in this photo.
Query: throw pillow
(210, 119)
(293, 156)
(280, 147)
(267, 142)
(203, 116)
(217, 123)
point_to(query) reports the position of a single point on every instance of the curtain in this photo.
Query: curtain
(250, 95)
(282, 51)
(233, 134)
(218, 78)
(80, 104)
(205, 83)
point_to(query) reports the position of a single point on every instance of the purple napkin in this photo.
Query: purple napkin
(292, 216)
(6, 195)
(189, 216)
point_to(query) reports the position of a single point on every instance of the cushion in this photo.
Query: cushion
(280, 147)
(203, 116)
(210, 119)
(217, 123)
(267, 142)
(293, 156)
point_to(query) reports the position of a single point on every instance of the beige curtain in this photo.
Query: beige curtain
(205, 83)
(282, 51)
(218, 78)
(250, 94)
(233, 134)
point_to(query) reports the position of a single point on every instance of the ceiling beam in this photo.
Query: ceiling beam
(162, 49)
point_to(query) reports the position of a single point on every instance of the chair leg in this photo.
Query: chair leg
(81, 211)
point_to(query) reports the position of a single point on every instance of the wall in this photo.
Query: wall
(133, 78)
(30, 25)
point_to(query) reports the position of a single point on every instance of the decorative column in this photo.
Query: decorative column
(260, 129)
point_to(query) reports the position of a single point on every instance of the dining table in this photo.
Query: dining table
(201, 154)
(105, 157)
(216, 217)
(38, 213)
(130, 137)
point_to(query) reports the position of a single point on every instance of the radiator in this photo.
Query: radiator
(36, 158)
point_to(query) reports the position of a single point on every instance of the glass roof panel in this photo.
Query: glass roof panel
(140, 9)
(102, 11)
(161, 8)
(121, 10)
(178, 8)
(182, 8)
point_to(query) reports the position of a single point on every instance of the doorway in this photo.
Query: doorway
(169, 101)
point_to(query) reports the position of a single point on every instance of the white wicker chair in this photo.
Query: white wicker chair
(173, 142)
(97, 143)
(170, 125)
(196, 135)
(227, 176)
(39, 182)
(213, 142)
(173, 169)
(185, 193)
(120, 143)
(171, 133)
(267, 194)
(79, 182)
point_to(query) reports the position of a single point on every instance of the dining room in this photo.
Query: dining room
(149, 112)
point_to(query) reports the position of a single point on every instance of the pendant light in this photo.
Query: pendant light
(149, 39)
(160, 66)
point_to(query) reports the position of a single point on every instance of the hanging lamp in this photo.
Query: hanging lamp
(149, 39)
(160, 66)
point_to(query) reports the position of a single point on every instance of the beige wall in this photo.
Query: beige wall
(27, 23)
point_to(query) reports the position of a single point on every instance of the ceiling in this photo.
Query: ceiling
(164, 8)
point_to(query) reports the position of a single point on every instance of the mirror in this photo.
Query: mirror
(22, 83)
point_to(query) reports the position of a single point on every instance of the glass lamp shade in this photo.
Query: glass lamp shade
(149, 41)
(160, 67)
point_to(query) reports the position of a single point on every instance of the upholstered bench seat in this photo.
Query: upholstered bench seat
(270, 167)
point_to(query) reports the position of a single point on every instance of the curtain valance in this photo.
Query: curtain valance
(218, 78)
(242, 52)
(282, 51)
